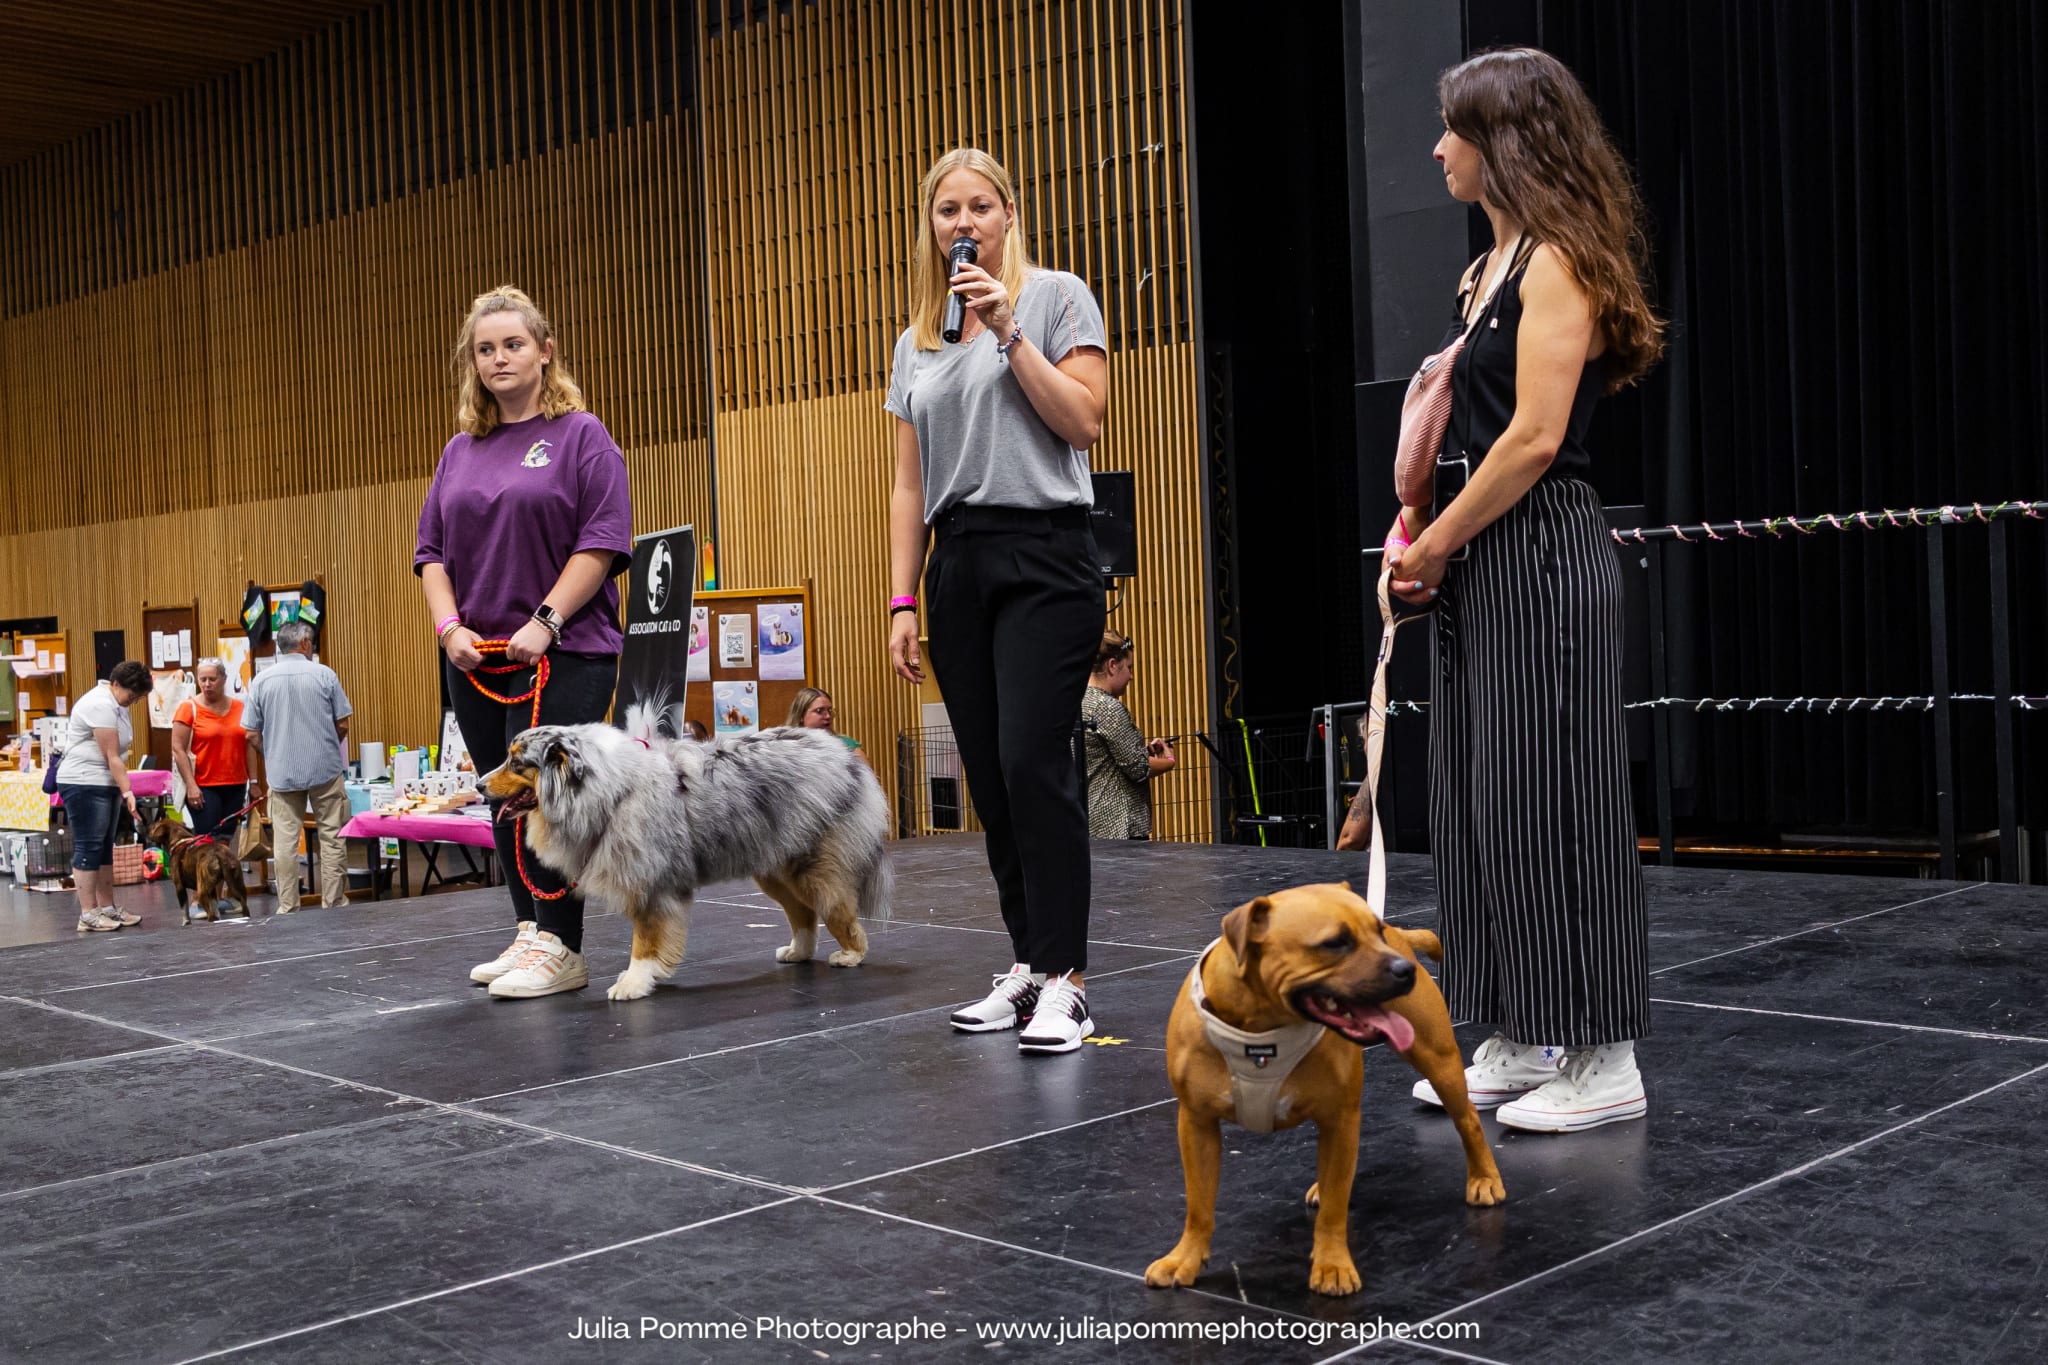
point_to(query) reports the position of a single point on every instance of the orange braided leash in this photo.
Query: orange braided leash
(540, 682)
(540, 676)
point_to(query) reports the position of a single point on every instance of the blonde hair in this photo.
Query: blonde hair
(476, 408)
(1114, 646)
(803, 702)
(929, 266)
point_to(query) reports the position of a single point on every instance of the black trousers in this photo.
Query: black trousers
(216, 804)
(579, 689)
(1015, 598)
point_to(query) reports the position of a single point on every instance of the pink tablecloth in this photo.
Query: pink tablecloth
(421, 829)
(143, 782)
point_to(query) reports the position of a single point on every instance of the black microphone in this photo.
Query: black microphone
(963, 253)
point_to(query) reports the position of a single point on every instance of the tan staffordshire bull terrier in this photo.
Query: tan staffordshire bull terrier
(1296, 985)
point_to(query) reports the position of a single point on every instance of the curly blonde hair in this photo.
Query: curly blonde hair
(476, 408)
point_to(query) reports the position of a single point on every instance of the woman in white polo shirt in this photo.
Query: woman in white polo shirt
(93, 780)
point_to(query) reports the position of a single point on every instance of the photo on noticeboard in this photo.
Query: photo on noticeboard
(781, 641)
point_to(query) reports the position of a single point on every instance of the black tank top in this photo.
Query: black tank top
(1483, 381)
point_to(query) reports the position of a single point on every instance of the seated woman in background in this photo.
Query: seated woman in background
(1120, 760)
(812, 710)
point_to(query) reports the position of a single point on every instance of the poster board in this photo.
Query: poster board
(454, 751)
(773, 694)
(247, 654)
(244, 660)
(170, 649)
(654, 663)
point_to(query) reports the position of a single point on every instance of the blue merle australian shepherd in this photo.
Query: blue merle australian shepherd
(641, 827)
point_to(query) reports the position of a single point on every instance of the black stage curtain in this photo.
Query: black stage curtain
(1850, 232)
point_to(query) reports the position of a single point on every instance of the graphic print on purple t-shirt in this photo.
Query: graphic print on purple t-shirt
(506, 511)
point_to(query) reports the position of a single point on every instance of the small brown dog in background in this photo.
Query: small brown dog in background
(1309, 975)
(203, 869)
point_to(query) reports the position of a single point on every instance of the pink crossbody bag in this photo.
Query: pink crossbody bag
(1426, 407)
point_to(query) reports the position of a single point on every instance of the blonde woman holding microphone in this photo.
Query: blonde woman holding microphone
(992, 478)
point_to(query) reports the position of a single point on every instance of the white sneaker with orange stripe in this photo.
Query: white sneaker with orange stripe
(545, 968)
(484, 973)
(1596, 1085)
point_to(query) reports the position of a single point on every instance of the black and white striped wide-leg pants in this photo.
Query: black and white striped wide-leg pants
(1539, 887)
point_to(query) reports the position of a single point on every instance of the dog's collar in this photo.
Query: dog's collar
(192, 839)
(1259, 1063)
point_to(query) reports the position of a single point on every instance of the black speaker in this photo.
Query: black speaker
(1115, 522)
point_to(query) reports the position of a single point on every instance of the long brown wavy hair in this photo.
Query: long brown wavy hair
(476, 408)
(1546, 158)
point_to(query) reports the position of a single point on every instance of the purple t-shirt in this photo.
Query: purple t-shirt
(505, 512)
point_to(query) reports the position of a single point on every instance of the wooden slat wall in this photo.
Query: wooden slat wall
(359, 543)
(251, 380)
(226, 316)
(818, 124)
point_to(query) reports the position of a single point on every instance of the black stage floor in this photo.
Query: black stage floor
(312, 1139)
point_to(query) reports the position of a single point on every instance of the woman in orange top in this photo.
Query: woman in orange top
(211, 750)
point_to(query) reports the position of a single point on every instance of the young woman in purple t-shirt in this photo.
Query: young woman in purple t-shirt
(527, 524)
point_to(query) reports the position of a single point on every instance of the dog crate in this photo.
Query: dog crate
(48, 856)
(946, 786)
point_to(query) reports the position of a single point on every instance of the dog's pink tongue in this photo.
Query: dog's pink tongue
(1398, 1031)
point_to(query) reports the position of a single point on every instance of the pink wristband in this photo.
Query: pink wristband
(903, 601)
(441, 627)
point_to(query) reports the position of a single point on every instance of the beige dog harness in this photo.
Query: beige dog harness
(1259, 1063)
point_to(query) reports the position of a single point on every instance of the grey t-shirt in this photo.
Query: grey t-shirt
(979, 440)
(84, 765)
(293, 704)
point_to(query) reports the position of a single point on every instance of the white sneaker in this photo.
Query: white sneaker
(1061, 1020)
(484, 973)
(1597, 1085)
(1501, 1069)
(1014, 996)
(543, 969)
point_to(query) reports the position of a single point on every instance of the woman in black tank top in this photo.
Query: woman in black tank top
(1539, 886)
